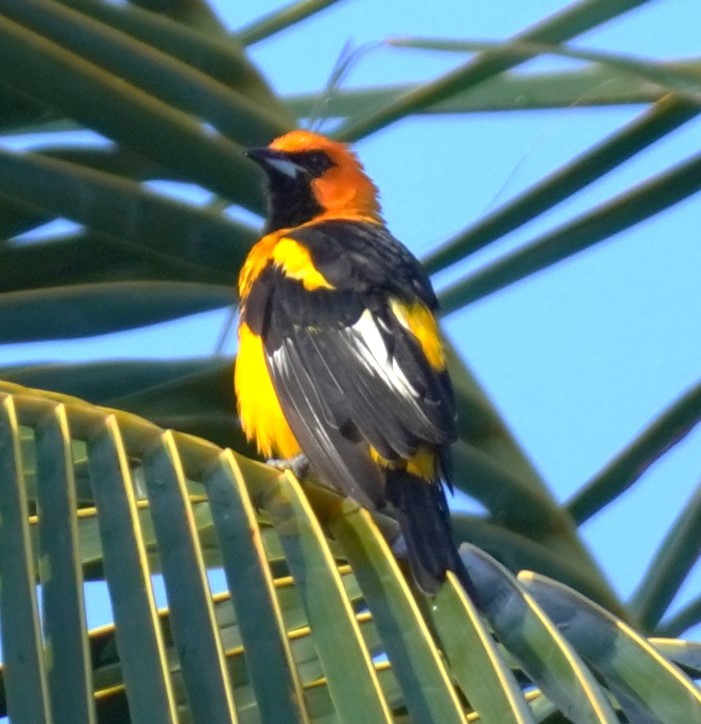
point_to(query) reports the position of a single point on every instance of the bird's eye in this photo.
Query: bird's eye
(314, 162)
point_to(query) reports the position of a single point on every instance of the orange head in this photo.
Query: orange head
(309, 176)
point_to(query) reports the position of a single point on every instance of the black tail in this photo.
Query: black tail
(424, 519)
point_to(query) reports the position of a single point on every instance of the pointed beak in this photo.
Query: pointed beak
(258, 155)
(274, 162)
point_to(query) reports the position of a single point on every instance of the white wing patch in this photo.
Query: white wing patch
(280, 360)
(370, 349)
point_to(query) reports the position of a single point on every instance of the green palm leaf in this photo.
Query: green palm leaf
(156, 495)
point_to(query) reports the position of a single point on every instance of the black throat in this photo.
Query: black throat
(291, 202)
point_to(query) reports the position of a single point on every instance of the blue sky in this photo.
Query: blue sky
(578, 358)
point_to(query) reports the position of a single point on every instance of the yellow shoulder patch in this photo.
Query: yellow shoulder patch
(296, 262)
(419, 320)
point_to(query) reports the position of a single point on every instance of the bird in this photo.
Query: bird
(340, 362)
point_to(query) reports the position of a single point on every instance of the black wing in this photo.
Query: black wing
(365, 258)
(347, 372)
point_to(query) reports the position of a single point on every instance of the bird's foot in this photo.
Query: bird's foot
(299, 465)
